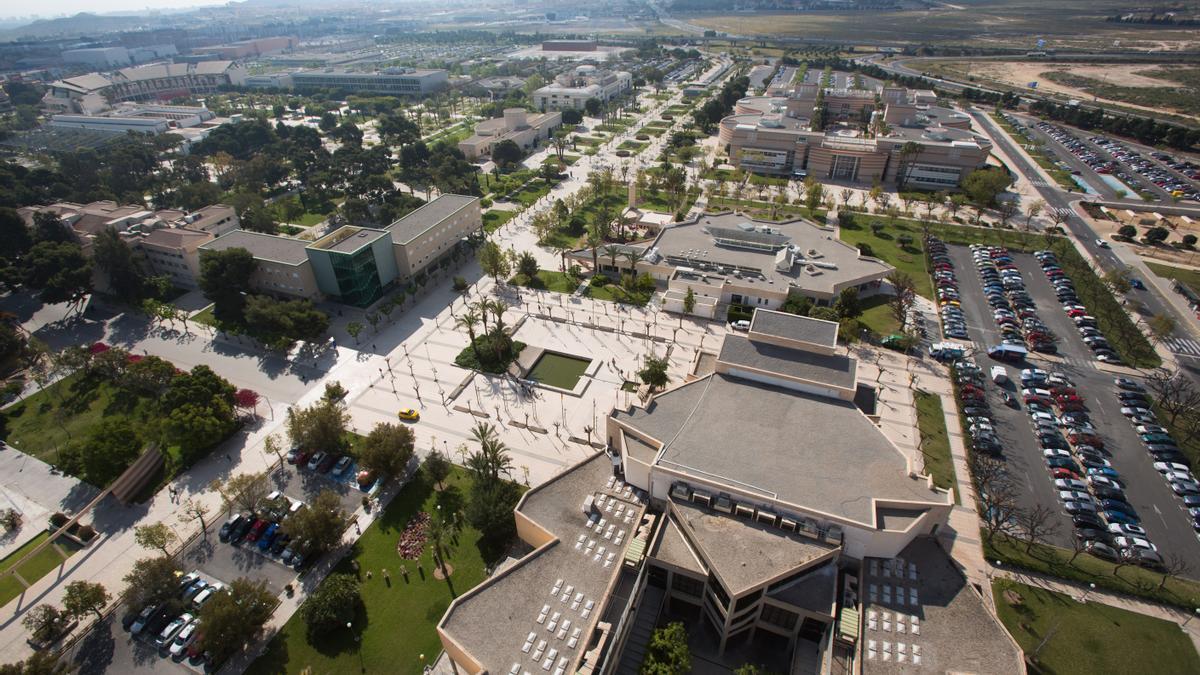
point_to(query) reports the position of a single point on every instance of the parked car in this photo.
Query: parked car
(229, 527)
(172, 629)
(315, 460)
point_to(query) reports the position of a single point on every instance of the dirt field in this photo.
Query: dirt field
(1021, 73)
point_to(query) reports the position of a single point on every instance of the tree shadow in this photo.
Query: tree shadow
(95, 651)
(333, 643)
(451, 500)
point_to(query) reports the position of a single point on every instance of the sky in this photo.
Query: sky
(51, 8)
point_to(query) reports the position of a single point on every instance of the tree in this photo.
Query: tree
(689, 301)
(1176, 566)
(39, 663)
(233, 618)
(196, 510)
(225, 280)
(333, 604)
(286, 320)
(527, 266)
(667, 653)
(593, 107)
(909, 152)
(126, 278)
(1161, 327)
(321, 524)
(903, 298)
(1127, 231)
(45, 622)
(320, 426)
(1033, 211)
(814, 192)
(571, 116)
(506, 154)
(1038, 524)
(441, 533)
(494, 262)
(110, 448)
(654, 372)
(156, 535)
(983, 186)
(83, 597)
(1174, 393)
(15, 238)
(354, 328)
(59, 271)
(197, 411)
(437, 467)
(245, 492)
(1117, 280)
(152, 581)
(387, 450)
(847, 304)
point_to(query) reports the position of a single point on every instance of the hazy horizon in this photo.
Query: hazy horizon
(50, 9)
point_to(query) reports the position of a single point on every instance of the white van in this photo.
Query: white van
(999, 374)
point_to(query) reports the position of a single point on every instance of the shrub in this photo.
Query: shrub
(599, 280)
(58, 520)
(460, 284)
(485, 203)
(866, 250)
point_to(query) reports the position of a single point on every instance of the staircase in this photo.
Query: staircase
(639, 633)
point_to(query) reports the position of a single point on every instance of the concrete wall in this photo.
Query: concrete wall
(277, 278)
(415, 256)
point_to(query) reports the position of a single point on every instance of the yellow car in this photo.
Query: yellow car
(409, 414)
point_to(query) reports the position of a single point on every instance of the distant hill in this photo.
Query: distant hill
(80, 24)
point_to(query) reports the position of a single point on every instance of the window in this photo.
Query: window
(747, 601)
(777, 616)
(715, 585)
(686, 584)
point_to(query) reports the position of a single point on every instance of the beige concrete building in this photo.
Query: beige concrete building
(902, 138)
(422, 237)
(571, 90)
(800, 552)
(156, 82)
(727, 258)
(528, 131)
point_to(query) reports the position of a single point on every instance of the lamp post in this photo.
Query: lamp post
(1190, 617)
(1091, 587)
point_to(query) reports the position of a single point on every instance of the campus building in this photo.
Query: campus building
(908, 139)
(760, 504)
(191, 122)
(356, 265)
(729, 259)
(168, 240)
(95, 92)
(571, 90)
(255, 47)
(389, 81)
(528, 131)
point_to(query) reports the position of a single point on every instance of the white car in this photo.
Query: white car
(184, 639)
(1151, 429)
(1127, 529)
(1074, 496)
(172, 629)
(1101, 243)
(1166, 467)
(206, 595)
(1135, 412)
(1128, 542)
(1178, 476)
(1185, 487)
(1104, 481)
(1055, 452)
(1070, 484)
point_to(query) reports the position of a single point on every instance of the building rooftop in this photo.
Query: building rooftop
(348, 239)
(492, 621)
(820, 261)
(673, 548)
(795, 327)
(815, 591)
(837, 370)
(744, 553)
(813, 452)
(418, 221)
(955, 632)
(266, 246)
(209, 216)
(175, 237)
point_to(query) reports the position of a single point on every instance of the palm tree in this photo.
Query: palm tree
(481, 309)
(910, 151)
(441, 533)
(498, 307)
(613, 251)
(634, 256)
(469, 319)
(483, 433)
(593, 242)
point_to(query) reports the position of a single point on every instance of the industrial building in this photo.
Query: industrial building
(96, 92)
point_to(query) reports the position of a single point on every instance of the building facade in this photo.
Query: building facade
(573, 89)
(155, 82)
(528, 131)
(901, 139)
(391, 81)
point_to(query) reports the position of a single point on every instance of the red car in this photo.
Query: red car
(1063, 391)
(1064, 473)
(256, 530)
(1086, 439)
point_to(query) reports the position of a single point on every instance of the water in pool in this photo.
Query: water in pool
(558, 370)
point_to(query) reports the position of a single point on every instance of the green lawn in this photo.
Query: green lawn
(492, 220)
(877, 316)
(310, 219)
(1187, 276)
(935, 441)
(398, 624)
(531, 192)
(615, 293)
(1129, 579)
(67, 410)
(566, 159)
(548, 280)
(908, 258)
(633, 146)
(1060, 176)
(760, 209)
(659, 201)
(1091, 637)
(36, 568)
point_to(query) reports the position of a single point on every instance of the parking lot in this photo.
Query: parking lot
(1162, 176)
(1162, 512)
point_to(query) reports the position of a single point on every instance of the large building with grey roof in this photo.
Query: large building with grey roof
(759, 505)
(356, 265)
(730, 259)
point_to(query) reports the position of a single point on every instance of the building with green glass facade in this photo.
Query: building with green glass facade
(353, 265)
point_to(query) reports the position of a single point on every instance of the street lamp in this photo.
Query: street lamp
(1190, 617)
(1091, 587)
